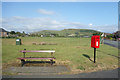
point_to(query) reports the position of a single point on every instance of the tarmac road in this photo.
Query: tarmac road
(112, 43)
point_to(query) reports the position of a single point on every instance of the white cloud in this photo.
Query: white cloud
(55, 22)
(46, 12)
(30, 24)
(18, 23)
(90, 24)
(107, 28)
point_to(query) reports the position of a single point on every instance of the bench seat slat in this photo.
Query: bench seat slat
(49, 51)
(35, 58)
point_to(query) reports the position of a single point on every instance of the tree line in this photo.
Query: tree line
(114, 36)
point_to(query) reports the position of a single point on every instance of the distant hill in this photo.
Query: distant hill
(68, 32)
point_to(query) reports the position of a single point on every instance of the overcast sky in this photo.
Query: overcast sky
(37, 16)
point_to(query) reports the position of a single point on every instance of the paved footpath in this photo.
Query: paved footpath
(98, 74)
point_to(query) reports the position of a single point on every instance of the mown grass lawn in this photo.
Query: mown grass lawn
(75, 52)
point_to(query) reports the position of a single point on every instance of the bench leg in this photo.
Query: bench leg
(22, 62)
(51, 62)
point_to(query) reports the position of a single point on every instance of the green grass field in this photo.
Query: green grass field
(75, 52)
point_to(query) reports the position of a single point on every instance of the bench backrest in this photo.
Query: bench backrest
(49, 51)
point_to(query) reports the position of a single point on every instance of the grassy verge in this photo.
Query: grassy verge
(75, 52)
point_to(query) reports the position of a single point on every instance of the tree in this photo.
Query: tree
(110, 36)
(77, 34)
(97, 33)
(117, 34)
(19, 34)
(12, 32)
(23, 34)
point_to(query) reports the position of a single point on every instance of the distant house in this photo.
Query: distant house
(106, 34)
(41, 35)
(3, 33)
(86, 36)
(51, 35)
(72, 35)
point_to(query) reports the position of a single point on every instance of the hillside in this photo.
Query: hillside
(68, 32)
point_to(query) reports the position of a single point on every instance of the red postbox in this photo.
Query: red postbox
(95, 41)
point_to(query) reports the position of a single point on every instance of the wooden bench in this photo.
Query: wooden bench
(36, 51)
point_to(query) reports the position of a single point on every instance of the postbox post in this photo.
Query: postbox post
(94, 55)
